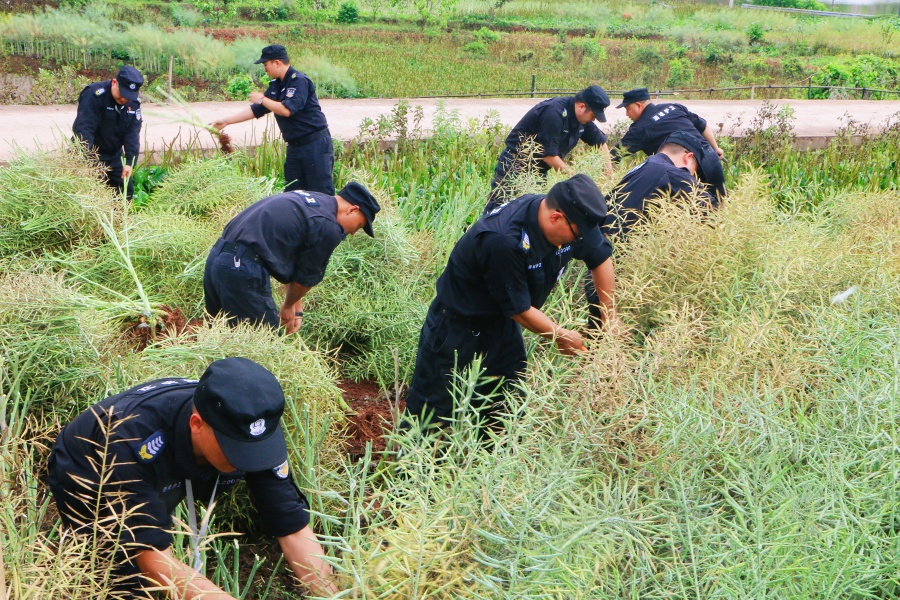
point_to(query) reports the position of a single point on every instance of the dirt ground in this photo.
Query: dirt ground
(371, 416)
(31, 127)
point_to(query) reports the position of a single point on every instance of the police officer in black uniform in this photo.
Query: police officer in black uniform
(497, 278)
(653, 123)
(556, 125)
(120, 468)
(289, 236)
(109, 123)
(291, 97)
(670, 173)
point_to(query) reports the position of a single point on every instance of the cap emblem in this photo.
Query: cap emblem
(132, 86)
(258, 427)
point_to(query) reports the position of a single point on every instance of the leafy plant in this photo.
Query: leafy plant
(681, 73)
(348, 13)
(755, 33)
(239, 87)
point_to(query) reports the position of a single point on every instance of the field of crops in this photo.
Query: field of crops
(741, 443)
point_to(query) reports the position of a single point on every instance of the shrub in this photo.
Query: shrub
(475, 48)
(57, 87)
(681, 73)
(648, 55)
(239, 87)
(185, 16)
(486, 36)
(755, 33)
(588, 48)
(348, 13)
(802, 4)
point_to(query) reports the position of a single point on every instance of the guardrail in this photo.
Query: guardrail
(865, 93)
(804, 11)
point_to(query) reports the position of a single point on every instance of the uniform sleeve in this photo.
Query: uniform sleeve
(296, 94)
(632, 140)
(281, 505)
(310, 265)
(259, 110)
(698, 121)
(550, 131)
(505, 271)
(596, 256)
(592, 135)
(132, 142)
(87, 118)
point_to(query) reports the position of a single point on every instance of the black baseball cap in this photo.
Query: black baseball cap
(687, 141)
(356, 194)
(272, 52)
(635, 95)
(584, 204)
(130, 81)
(242, 402)
(596, 99)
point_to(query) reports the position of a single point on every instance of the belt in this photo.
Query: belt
(239, 250)
(310, 137)
(480, 321)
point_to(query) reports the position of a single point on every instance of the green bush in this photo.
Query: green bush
(802, 4)
(239, 87)
(348, 13)
(486, 36)
(866, 71)
(681, 73)
(649, 55)
(588, 48)
(57, 87)
(755, 33)
(475, 48)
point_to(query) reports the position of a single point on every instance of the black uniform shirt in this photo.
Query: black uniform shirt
(553, 125)
(504, 265)
(294, 233)
(298, 94)
(146, 433)
(654, 126)
(107, 126)
(655, 177)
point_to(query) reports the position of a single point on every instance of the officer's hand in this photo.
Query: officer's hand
(721, 153)
(569, 342)
(126, 171)
(255, 97)
(290, 320)
(220, 125)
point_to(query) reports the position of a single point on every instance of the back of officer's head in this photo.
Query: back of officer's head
(582, 202)
(243, 402)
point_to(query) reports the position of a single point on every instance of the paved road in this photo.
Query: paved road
(30, 127)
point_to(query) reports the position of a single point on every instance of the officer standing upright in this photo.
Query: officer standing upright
(555, 125)
(120, 468)
(652, 123)
(289, 236)
(109, 123)
(291, 97)
(497, 278)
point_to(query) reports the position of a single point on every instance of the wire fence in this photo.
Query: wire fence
(752, 92)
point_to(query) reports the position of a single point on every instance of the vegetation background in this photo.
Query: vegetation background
(742, 443)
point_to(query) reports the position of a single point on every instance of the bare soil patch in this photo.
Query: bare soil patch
(371, 418)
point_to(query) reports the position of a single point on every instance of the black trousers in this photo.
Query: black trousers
(236, 284)
(310, 166)
(448, 343)
(711, 172)
(115, 180)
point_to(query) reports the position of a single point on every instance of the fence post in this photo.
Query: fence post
(532, 85)
(809, 89)
(864, 94)
(753, 92)
(171, 60)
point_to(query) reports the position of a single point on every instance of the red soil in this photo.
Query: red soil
(172, 322)
(371, 416)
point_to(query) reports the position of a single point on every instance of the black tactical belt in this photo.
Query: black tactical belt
(239, 250)
(458, 318)
(310, 137)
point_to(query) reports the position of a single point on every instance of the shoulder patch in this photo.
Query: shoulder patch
(289, 93)
(149, 449)
(99, 91)
(526, 241)
(293, 76)
(282, 471)
(137, 114)
(565, 113)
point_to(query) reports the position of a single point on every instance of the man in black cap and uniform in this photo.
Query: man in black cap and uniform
(120, 468)
(289, 236)
(291, 97)
(497, 278)
(555, 125)
(668, 174)
(653, 123)
(109, 123)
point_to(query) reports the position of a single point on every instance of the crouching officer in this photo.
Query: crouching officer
(670, 174)
(555, 125)
(653, 123)
(291, 97)
(289, 236)
(120, 468)
(497, 278)
(109, 122)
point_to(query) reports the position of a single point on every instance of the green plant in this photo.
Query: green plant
(348, 13)
(681, 73)
(755, 33)
(475, 48)
(239, 87)
(486, 36)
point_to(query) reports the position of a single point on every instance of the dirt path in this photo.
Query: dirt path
(30, 127)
